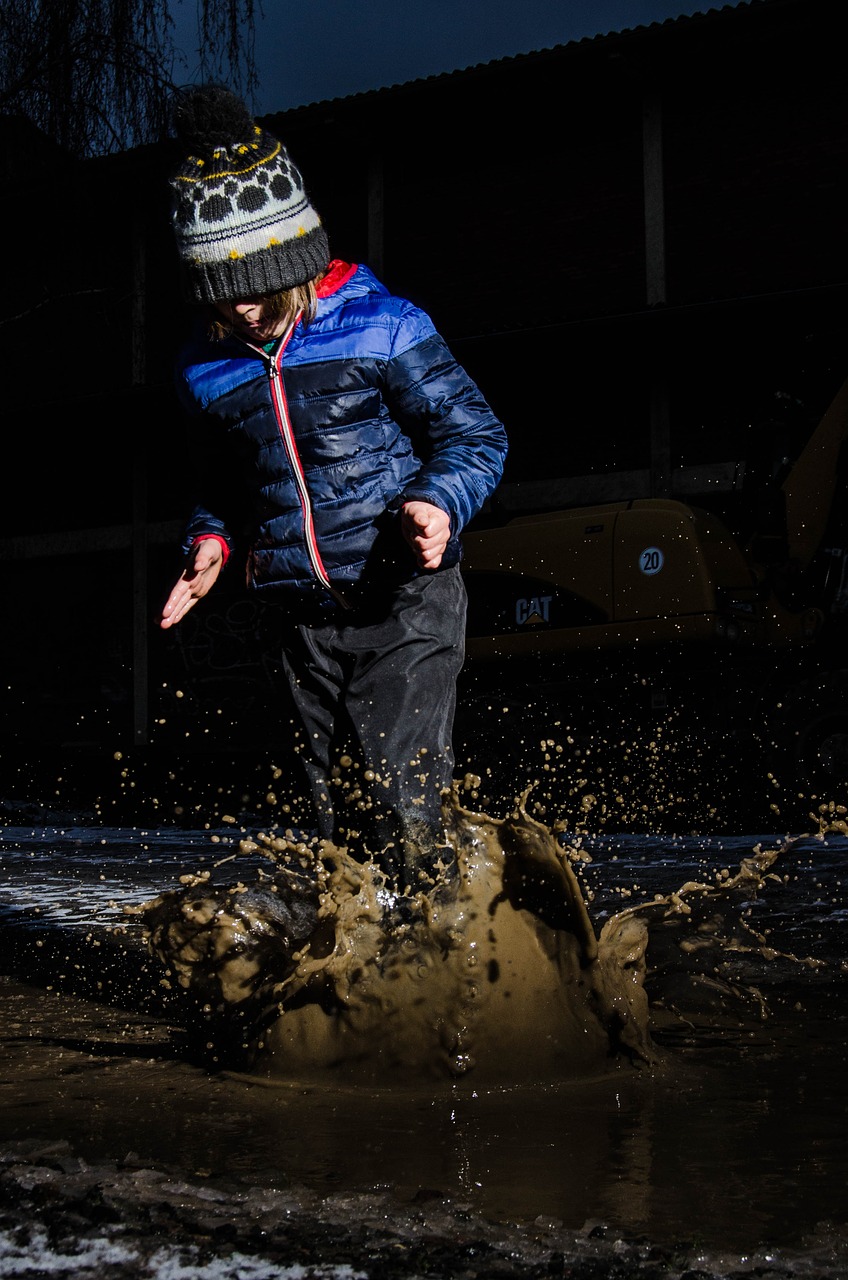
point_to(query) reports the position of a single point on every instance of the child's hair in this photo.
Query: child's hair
(285, 305)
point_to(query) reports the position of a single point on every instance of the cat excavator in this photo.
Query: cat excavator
(645, 615)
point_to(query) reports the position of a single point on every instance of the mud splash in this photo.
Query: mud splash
(319, 970)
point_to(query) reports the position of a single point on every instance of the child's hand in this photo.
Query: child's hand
(194, 582)
(427, 530)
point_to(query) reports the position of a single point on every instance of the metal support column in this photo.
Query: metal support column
(140, 605)
(655, 285)
(376, 215)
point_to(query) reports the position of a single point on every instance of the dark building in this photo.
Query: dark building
(635, 243)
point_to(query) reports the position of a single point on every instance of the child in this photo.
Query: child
(340, 450)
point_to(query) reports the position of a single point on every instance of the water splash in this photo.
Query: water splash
(326, 971)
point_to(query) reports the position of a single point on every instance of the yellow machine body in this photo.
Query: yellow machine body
(647, 571)
(652, 570)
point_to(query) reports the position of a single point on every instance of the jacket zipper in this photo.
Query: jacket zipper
(281, 411)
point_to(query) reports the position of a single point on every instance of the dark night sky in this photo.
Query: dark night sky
(318, 49)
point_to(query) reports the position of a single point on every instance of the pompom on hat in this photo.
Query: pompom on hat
(242, 220)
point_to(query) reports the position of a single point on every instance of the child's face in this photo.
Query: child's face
(246, 315)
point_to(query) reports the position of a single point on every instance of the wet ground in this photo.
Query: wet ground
(125, 1149)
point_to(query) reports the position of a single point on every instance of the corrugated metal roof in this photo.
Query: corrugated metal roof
(700, 16)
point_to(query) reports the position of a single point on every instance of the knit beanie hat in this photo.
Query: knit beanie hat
(241, 216)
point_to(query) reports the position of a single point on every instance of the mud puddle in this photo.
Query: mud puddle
(126, 1151)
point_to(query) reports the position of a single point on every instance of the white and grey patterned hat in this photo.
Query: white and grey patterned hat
(242, 220)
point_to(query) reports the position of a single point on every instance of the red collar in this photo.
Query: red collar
(337, 274)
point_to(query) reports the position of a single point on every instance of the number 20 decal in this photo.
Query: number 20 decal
(651, 560)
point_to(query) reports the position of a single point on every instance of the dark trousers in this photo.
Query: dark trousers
(375, 691)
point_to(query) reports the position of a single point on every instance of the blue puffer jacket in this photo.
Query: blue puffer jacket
(306, 455)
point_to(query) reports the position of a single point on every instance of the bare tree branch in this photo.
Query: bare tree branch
(49, 300)
(95, 75)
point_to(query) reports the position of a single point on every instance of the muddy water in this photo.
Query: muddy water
(491, 970)
(708, 1137)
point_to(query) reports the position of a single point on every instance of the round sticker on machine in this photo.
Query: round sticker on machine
(651, 560)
